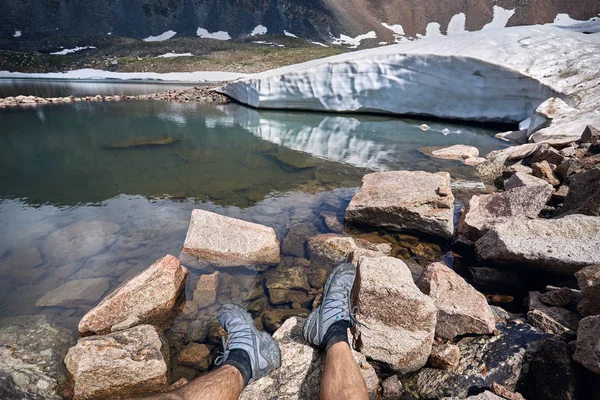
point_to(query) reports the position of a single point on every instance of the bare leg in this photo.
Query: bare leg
(224, 383)
(341, 378)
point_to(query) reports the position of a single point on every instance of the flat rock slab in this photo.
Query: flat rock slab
(147, 298)
(229, 242)
(563, 245)
(484, 359)
(79, 241)
(461, 308)
(31, 352)
(300, 373)
(398, 320)
(75, 293)
(119, 365)
(413, 201)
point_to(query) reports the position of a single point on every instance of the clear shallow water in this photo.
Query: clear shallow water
(79, 87)
(59, 166)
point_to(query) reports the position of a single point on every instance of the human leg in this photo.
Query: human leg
(341, 378)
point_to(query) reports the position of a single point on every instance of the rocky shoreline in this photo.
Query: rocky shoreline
(197, 94)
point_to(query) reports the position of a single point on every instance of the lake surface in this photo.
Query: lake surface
(82, 87)
(69, 167)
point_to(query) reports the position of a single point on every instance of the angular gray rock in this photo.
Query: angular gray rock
(119, 365)
(392, 388)
(79, 241)
(588, 279)
(563, 245)
(588, 340)
(229, 242)
(399, 321)
(484, 359)
(300, 372)
(560, 297)
(148, 298)
(584, 193)
(554, 320)
(461, 309)
(484, 211)
(75, 293)
(32, 349)
(414, 201)
(521, 179)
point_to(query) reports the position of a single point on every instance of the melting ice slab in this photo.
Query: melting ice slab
(500, 75)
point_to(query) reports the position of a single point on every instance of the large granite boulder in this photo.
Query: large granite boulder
(588, 279)
(148, 298)
(79, 292)
(584, 193)
(31, 352)
(563, 245)
(413, 201)
(301, 367)
(460, 308)
(398, 321)
(79, 241)
(484, 211)
(118, 365)
(484, 359)
(588, 344)
(229, 242)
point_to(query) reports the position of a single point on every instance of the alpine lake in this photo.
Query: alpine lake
(126, 175)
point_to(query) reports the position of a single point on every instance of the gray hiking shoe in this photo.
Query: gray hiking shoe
(242, 334)
(335, 305)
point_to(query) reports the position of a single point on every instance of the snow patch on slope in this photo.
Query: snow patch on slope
(351, 42)
(173, 55)
(398, 30)
(163, 36)
(17, 34)
(457, 24)
(501, 17)
(258, 30)
(290, 34)
(73, 50)
(219, 35)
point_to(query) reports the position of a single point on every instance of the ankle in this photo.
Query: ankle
(338, 332)
(240, 360)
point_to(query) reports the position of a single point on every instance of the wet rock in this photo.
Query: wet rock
(123, 364)
(521, 179)
(544, 171)
(584, 194)
(554, 320)
(405, 200)
(79, 241)
(484, 359)
(288, 285)
(461, 308)
(295, 239)
(32, 349)
(140, 141)
(457, 152)
(588, 279)
(392, 388)
(75, 293)
(206, 290)
(563, 245)
(273, 318)
(148, 298)
(22, 267)
(292, 159)
(552, 373)
(445, 356)
(332, 222)
(588, 339)
(399, 321)
(227, 242)
(195, 355)
(301, 368)
(560, 297)
(483, 212)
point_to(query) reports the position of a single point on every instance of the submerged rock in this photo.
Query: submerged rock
(288, 285)
(148, 298)
(294, 242)
(228, 242)
(484, 360)
(207, 289)
(79, 241)
(300, 373)
(75, 293)
(482, 212)
(461, 308)
(405, 200)
(563, 245)
(32, 349)
(140, 141)
(195, 355)
(398, 320)
(121, 364)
